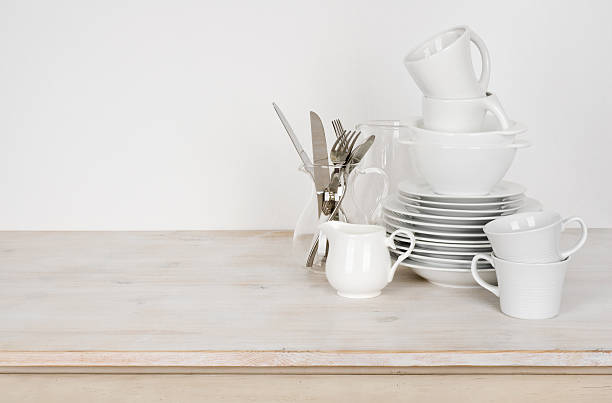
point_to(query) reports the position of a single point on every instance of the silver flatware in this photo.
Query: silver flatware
(319, 156)
(338, 129)
(296, 143)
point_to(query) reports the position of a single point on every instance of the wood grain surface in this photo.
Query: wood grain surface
(305, 388)
(238, 299)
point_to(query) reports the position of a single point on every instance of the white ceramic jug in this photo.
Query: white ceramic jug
(358, 263)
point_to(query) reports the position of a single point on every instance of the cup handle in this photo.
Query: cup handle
(582, 239)
(485, 74)
(479, 280)
(493, 105)
(391, 244)
(385, 192)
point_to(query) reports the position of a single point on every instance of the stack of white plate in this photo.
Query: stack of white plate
(448, 229)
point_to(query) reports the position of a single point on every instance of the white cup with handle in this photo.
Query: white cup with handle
(442, 66)
(462, 115)
(532, 237)
(525, 290)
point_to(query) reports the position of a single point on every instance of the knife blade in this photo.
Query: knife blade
(319, 156)
(296, 143)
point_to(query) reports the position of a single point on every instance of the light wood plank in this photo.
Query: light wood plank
(238, 298)
(305, 388)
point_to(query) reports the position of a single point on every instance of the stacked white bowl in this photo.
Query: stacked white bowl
(463, 145)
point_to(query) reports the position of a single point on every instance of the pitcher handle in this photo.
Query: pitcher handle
(385, 192)
(390, 242)
(582, 239)
(479, 280)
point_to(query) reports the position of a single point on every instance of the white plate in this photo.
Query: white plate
(447, 235)
(452, 246)
(504, 190)
(444, 240)
(457, 254)
(443, 226)
(461, 206)
(528, 205)
(443, 261)
(463, 213)
(395, 208)
(454, 278)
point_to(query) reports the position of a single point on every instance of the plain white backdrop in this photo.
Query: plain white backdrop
(157, 114)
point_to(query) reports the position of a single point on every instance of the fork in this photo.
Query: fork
(338, 129)
(342, 147)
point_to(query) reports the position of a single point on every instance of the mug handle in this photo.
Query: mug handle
(485, 74)
(391, 244)
(582, 239)
(385, 192)
(479, 280)
(493, 105)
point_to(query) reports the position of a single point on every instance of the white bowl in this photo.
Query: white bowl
(448, 277)
(490, 136)
(461, 170)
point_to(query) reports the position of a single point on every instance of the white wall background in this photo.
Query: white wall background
(157, 114)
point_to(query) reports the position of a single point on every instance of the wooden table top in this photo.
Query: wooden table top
(227, 299)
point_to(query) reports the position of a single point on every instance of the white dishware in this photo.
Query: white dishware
(466, 213)
(447, 262)
(405, 200)
(394, 208)
(358, 263)
(504, 190)
(458, 169)
(532, 237)
(526, 290)
(390, 223)
(442, 240)
(442, 254)
(462, 115)
(441, 246)
(449, 277)
(490, 134)
(436, 225)
(442, 66)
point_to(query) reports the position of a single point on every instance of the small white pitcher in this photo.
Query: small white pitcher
(358, 263)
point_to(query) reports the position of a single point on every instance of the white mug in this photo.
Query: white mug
(442, 66)
(358, 263)
(525, 290)
(532, 237)
(462, 115)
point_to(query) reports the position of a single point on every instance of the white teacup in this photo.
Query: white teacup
(462, 115)
(526, 290)
(532, 237)
(358, 263)
(442, 66)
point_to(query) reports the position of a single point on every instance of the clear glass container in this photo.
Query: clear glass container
(338, 203)
(388, 153)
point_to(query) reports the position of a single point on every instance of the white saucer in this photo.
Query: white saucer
(502, 191)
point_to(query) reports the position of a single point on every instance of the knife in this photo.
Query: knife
(319, 156)
(296, 143)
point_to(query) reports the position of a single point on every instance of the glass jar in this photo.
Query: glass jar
(387, 153)
(338, 203)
